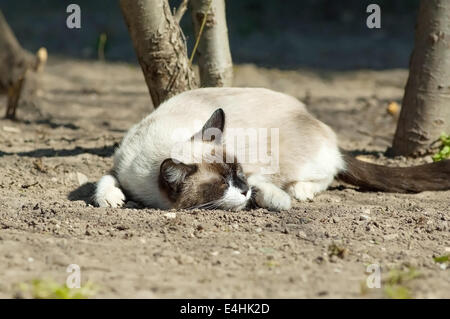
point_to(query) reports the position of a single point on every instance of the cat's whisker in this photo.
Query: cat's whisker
(204, 205)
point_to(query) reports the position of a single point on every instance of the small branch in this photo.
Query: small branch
(178, 14)
(199, 35)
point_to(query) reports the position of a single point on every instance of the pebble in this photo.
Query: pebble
(11, 129)
(302, 234)
(82, 179)
(170, 215)
(364, 217)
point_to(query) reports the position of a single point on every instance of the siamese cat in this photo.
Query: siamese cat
(226, 148)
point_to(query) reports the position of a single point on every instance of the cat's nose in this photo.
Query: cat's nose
(244, 190)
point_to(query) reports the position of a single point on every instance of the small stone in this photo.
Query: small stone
(82, 179)
(170, 215)
(258, 230)
(214, 253)
(364, 217)
(236, 252)
(302, 234)
(30, 259)
(336, 220)
(11, 129)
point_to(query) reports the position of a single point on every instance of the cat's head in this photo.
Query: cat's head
(214, 182)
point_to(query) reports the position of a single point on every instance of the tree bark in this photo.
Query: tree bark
(160, 47)
(425, 111)
(15, 62)
(214, 57)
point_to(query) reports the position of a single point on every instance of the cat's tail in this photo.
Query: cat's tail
(431, 177)
(108, 192)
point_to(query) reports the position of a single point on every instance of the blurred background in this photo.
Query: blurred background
(288, 34)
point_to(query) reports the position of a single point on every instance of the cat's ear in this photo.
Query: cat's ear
(172, 173)
(212, 130)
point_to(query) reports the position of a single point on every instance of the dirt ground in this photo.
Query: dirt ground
(319, 249)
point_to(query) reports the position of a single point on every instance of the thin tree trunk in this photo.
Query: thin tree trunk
(214, 57)
(425, 112)
(14, 65)
(160, 48)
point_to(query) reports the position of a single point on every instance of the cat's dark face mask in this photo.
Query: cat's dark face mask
(214, 183)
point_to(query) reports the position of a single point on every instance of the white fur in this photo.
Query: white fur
(234, 199)
(309, 157)
(108, 193)
(269, 195)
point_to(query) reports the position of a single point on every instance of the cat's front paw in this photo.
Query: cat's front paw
(108, 194)
(113, 197)
(273, 198)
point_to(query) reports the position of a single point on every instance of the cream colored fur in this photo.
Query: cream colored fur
(309, 157)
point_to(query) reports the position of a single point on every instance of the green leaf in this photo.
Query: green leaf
(397, 292)
(444, 152)
(442, 259)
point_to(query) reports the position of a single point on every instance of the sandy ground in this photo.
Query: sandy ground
(319, 249)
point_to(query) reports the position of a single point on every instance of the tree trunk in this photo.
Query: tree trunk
(425, 112)
(14, 65)
(160, 48)
(214, 57)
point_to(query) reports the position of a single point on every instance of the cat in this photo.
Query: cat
(184, 155)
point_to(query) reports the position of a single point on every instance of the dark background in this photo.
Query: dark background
(320, 34)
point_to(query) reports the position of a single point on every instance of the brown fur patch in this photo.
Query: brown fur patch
(208, 183)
